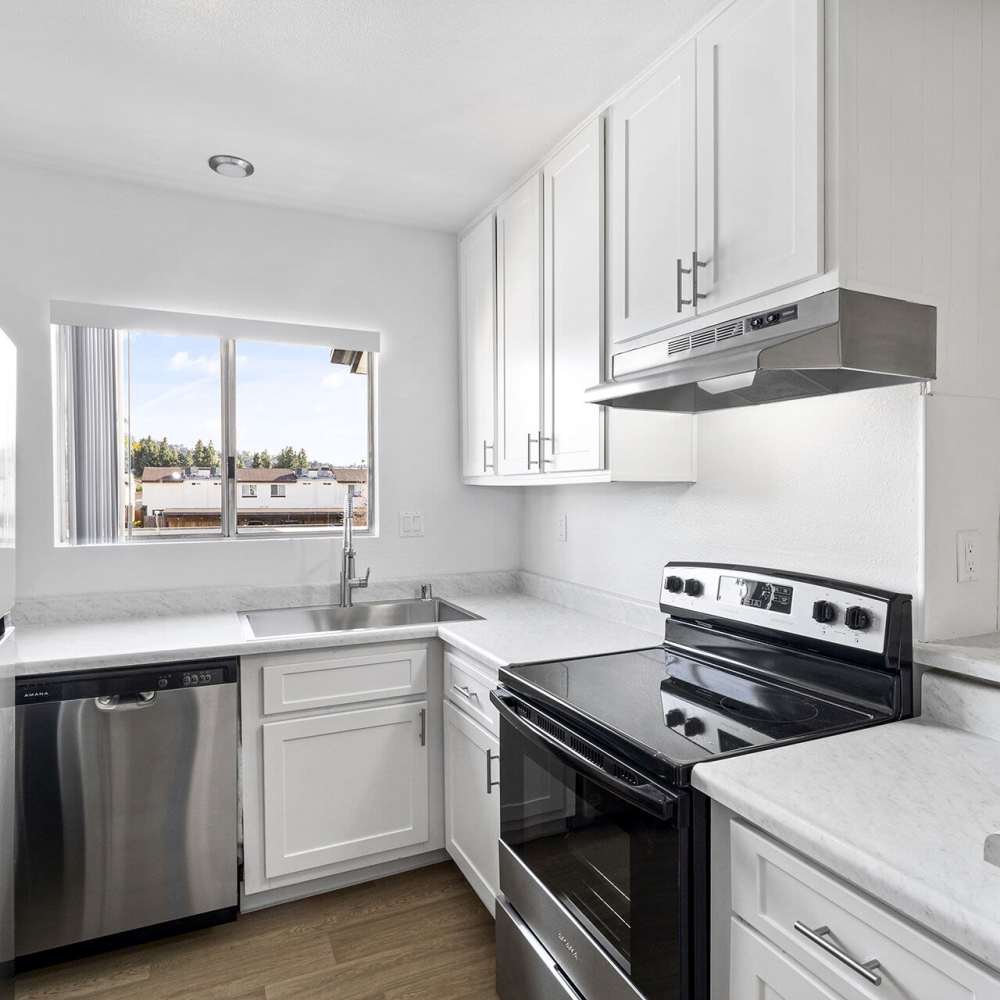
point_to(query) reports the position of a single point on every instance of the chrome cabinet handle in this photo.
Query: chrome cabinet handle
(423, 727)
(693, 271)
(466, 692)
(542, 460)
(489, 465)
(531, 441)
(490, 783)
(818, 936)
(695, 264)
(681, 271)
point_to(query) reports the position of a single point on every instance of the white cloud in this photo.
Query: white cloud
(202, 363)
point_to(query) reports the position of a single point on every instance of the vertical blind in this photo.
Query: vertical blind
(91, 359)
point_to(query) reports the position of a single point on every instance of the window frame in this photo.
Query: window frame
(278, 491)
(228, 450)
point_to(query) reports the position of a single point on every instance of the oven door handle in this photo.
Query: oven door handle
(646, 796)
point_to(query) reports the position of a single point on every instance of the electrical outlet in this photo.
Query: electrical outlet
(411, 525)
(563, 527)
(968, 551)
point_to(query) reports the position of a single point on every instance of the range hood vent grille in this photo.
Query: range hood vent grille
(837, 341)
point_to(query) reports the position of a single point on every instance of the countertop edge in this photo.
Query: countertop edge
(936, 913)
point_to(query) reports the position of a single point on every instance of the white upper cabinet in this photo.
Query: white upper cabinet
(573, 302)
(652, 183)
(519, 329)
(477, 290)
(760, 149)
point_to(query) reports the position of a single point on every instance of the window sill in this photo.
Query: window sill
(188, 538)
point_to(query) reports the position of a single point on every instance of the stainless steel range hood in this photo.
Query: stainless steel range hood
(837, 341)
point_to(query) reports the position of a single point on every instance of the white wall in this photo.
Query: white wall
(829, 486)
(921, 217)
(91, 240)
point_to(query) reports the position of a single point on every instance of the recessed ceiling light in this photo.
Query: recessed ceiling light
(230, 166)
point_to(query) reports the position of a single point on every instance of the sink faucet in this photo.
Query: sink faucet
(348, 581)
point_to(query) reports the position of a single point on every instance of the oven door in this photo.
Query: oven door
(595, 859)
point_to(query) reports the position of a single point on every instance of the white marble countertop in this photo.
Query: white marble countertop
(902, 810)
(974, 656)
(514, 628)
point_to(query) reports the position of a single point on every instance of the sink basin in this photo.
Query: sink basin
(373, 614)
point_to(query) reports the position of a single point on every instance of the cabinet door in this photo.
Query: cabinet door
(344, 786)
(472, 803)
(574, 269)
(759, 971)
(652, 178)
(477, 291)
(760, 141)
(519, 329)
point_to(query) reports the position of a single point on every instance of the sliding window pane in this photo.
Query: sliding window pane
(302, 433)
(173, 431)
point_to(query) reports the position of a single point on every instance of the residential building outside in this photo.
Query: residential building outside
(179, 497)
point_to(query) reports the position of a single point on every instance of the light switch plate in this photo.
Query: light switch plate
(411, 525)
(563, 527)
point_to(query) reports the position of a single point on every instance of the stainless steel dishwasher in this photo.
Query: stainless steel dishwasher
(127, 824)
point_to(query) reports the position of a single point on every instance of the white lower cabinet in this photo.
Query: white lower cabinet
(472, 802)
(342, 765)
(798, 931)
(343, 786)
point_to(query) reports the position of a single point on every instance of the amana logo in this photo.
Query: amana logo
(563, 940)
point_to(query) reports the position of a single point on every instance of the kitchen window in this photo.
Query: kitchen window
(178, 434)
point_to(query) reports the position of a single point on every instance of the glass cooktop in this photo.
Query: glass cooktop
(679, 709)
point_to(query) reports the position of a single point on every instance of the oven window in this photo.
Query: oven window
(613, 866)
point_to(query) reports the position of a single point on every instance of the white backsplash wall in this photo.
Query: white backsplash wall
(829, 486)
(92, 240)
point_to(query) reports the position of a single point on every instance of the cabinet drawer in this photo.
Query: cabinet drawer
(758, 969)
(328, 677)
(468, 687)
(774, 890)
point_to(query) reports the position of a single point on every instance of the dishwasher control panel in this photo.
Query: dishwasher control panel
(125, 681)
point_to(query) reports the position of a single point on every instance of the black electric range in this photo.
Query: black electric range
(604, 844)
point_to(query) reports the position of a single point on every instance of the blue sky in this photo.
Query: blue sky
(285, 394)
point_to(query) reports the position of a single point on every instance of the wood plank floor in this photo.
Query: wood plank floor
(422, 935)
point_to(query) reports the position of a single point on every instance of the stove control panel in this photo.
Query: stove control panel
(797, 607)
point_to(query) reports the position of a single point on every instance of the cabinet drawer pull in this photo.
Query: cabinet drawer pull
(423, 727)
(531, 441)
(466, 692)
(490, 783)
(488, 465)
(818, 936)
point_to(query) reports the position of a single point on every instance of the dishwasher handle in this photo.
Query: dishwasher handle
(125, 702)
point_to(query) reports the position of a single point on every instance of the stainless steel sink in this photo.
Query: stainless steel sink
(372, 614)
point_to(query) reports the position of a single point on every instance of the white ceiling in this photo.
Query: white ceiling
(416, 111)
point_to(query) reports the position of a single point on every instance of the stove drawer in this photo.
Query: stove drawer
(834, 931)
(525, 970)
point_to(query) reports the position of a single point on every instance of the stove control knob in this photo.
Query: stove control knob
(824, 612)
(675, 717)
(693, 588)
(694, 727)
(675, 584)
(857, 619)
